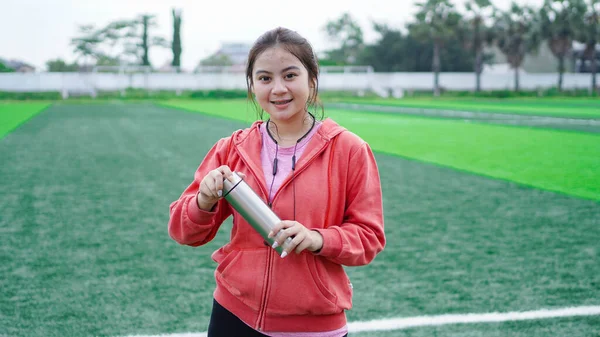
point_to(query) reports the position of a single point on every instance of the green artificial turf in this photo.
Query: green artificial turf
(84, 204)
(14, 114)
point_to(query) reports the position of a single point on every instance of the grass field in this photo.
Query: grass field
(85, 190)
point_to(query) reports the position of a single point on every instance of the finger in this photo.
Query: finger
(226, 172)
(275, 230)
(280, 226)
(291, 232)
(217, 184)
(206, 189)
(243, 176)
(303, 245)
(296, 240)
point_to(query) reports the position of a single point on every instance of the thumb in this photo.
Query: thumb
(243, 176)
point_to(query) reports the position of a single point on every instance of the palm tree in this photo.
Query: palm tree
(560, 22)
(590, 35)
(437, 21)
(517, 35)
(478, 34)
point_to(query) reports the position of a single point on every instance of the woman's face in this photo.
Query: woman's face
(281, 85)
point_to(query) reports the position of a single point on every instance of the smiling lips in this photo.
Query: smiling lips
(282, 102)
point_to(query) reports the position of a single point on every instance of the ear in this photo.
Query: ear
(312, 84)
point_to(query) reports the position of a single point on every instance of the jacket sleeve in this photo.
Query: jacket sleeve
(361, 235)
(190, 225)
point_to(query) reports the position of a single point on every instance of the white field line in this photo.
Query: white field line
(410, 322)
(418, 321)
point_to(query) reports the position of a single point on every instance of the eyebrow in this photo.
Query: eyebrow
(283, 71)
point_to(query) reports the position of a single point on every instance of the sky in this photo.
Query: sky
(35, 31)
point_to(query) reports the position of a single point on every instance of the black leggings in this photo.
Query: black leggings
(225, 324)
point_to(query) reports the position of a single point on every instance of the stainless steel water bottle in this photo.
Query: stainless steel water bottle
(253, 209)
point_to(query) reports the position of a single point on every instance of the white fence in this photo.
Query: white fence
(378, 82)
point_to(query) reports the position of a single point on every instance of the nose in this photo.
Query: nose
(279, 87)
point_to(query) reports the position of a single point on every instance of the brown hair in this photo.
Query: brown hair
(296, 45)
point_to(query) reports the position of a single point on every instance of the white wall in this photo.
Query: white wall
(90, 82)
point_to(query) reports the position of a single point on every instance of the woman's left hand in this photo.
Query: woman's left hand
(302, 237)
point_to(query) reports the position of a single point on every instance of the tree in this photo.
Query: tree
(561, 20)
(590, 35)
(60, 66)
(396, 51)
(388, 52)
(147, 22)
(220, 60)
(478, 34)
(120, 41)
(347, 32)
(437, 21)
(86, 46)
(176, 43)
(518, 34)
(109, 61)
(5, 69)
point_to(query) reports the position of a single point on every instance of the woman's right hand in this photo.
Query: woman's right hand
(211, 187)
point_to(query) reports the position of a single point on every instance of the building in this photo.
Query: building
(18, 66)
(232, 56)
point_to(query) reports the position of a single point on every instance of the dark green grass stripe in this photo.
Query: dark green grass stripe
(14, 114)
(460, 243)
(84, 200)
(84, 203)
(560, 161)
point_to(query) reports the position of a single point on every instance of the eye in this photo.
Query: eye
(264, 78)
(290, 76)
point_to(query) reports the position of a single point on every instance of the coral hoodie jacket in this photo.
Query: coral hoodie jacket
(337, 192)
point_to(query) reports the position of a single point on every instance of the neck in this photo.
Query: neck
(287, 133)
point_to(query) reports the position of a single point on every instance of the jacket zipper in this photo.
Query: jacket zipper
(263, 304)
(262, 307)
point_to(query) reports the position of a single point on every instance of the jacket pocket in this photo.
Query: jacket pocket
(301, 287)
(242, 273)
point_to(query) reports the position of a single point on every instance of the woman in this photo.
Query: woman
(312, 172)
